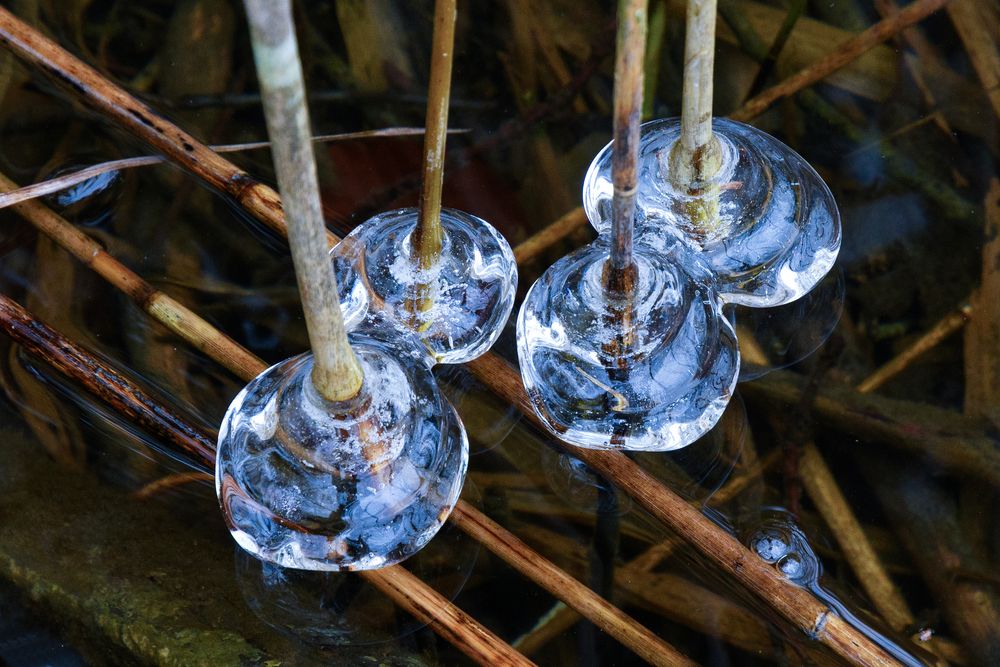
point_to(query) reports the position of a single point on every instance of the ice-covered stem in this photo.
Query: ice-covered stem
(629, 61)
(336, 373)
(427, 238)
(697, 156)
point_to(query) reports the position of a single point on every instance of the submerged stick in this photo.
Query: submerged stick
(336, 372)
(844, 54)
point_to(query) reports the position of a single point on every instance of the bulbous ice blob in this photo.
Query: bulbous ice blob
(363, 484)
(471, 290)
(779, 541)
(653, 372)
(778, 229)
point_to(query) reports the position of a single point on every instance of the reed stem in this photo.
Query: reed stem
(629, 66)
(696, 157)
(427, 236)
(336, 372)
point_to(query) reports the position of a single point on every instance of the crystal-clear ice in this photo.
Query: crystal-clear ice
(651, 372)
(363, 484)
(778, 227)
(471, 288)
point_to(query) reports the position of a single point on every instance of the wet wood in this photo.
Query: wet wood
(795, 604)
(128, 399)
(839, 57)
(99, 378)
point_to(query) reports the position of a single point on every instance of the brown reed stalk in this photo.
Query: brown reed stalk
(427, 235)
(793, 603)
(844, 54)
(125, 397)
(629, 61)
(187, 325)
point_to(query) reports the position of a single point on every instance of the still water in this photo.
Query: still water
(112, 548)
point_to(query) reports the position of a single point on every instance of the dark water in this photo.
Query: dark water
(130, 573)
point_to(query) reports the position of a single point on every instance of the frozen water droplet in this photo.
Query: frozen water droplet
(470, 290)
(651, 372)
(307, 484)
(778, 228)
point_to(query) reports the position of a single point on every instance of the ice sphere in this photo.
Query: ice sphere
(363, 484)
(650, 372)
(778, 228)
(471, 288)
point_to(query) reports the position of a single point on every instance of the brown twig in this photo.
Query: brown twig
(99, 378)
(946, 438)
(427, 236)
(533, 246)
(842, 55)
(945, 327)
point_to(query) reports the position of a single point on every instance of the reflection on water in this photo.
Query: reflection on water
(912, 201)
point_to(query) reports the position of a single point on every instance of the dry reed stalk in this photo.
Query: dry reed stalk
(128, 399)
(427, 235)
(172, 314)
(604, 615)
(336, 373)
(697, 156)
(796, 605)
(842, 55)
(837, 513)
(246, 366)
(629, 60)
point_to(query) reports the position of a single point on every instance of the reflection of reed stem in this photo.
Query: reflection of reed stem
(336, 372)
(427, 237)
